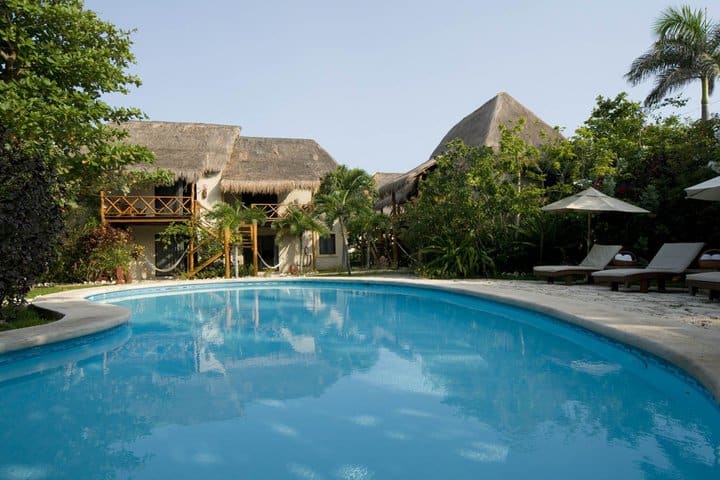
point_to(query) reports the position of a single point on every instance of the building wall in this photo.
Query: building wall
(332, 262)
(144, 235)
(289, 251)
(209, 183)
(301, 197)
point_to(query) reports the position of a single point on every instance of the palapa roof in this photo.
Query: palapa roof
(383, 178)
(275, 165)
(480, 128)
(188, 150)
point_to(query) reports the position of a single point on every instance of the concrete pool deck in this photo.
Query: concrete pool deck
(675, 326)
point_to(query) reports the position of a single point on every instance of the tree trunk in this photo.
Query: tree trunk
(345, 247)
(705, 99)
(302, 254)
(367, 254)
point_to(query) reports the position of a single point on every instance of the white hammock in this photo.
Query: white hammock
(306, 263)
(405, 252)
(267, 265)
(169, 269)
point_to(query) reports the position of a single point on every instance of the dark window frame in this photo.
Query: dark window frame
(326, 242)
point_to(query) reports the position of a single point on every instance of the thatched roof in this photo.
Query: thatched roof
(480, 128)
(402, 186)
(189, 150)
(275, 165)
(383, 178)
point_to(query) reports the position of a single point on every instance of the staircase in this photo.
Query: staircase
(212, 233)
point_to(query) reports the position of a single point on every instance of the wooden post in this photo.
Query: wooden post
(314, 251)
(102, 207)
(191, 255)
(227, 252)
(191, 245)
(253, 233)
(395, 253)
(192, 199)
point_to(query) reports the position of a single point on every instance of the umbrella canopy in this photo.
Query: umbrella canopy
(591, 201)
(707, 190)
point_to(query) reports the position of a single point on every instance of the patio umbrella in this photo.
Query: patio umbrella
(707, 190)
(591, 201)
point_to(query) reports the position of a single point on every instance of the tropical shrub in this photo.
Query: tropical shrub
(105, 248)
(294, 223)
(344, 196)
(649, 163)
(469, 217)
(30, 219)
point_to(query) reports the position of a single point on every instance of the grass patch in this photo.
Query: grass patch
(21, 316)
(37, 291)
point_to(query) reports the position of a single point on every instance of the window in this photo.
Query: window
(327, 245)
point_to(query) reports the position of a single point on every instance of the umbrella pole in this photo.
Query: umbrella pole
(588, 234)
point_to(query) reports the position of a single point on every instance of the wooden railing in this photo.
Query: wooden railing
(153, 208)
(276, 210)
(145, 208)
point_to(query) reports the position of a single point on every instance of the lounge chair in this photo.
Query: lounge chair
(670, 261)
(598, 258)
(707, 280)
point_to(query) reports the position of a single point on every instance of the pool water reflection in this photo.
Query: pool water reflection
(311, 381)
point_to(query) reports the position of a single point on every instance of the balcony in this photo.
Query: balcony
(165, 209)
(145, 208)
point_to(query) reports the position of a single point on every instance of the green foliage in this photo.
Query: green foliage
(22, 316)
(30, 219)
(687, 49)
(225, 215)
(104, 249)
(294, 223)
(368, 228)
(344, 195)
(175, 231)
(254, 215)
(609, 141)
(470, 214)
(644, 163)
(234, 215)
(125, 181)
(57, 60)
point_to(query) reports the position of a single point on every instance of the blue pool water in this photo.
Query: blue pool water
(346, 381)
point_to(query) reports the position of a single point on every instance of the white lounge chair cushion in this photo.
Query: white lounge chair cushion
(597, 259)
(671, 258)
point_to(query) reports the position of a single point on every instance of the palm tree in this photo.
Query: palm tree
(294, 223)
(343, 195)
(232, 217)
(370, 225)
(687, 49)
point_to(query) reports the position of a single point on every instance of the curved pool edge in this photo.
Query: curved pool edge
(692, 349)
(80, 317)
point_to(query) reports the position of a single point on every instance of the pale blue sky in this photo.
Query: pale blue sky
(379, 83)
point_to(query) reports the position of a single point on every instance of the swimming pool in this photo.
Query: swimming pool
(350, 381)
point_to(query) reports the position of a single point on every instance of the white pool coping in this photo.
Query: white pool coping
(657, 323)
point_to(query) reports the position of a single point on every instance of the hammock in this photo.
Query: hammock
(267, 265)
(306, 263)
(169, 269)
(405, 251)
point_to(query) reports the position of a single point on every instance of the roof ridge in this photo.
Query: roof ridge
(279, 138)
(167, 122)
